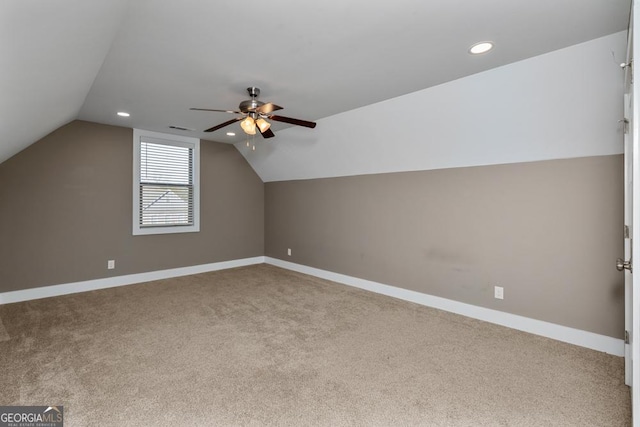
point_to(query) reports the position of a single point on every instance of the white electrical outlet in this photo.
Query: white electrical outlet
(289, 251)
(498, 292)
(111, 264)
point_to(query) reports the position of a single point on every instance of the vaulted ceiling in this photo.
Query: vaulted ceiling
(62, 60)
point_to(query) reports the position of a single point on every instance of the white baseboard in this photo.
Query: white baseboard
(129, 279)
(538, 327)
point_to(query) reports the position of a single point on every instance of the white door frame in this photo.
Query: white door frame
(632, 149)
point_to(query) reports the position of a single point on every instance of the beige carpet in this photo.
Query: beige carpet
(263, 346)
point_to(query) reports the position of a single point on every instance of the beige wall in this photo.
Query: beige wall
(66, 208)
(548, 232)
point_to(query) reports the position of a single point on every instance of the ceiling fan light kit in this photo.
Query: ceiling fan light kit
(262, 124)
(254, 115)
(248, 126)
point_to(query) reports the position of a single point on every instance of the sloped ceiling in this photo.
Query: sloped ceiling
(69, 59)
(50, 54)
(563, 104)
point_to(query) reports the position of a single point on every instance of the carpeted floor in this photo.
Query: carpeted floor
(264, 346)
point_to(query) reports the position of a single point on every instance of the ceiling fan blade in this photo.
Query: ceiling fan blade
(267, 133)
(293, 121)
(268, 108)
(221, 125)
(219, 111)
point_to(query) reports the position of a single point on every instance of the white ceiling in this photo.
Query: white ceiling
(62, 60)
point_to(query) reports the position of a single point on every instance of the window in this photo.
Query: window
(165, 183)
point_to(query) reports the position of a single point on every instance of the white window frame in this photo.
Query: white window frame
(176, 140)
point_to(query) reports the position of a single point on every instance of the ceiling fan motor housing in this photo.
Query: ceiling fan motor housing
(253, 103)
(249, 105)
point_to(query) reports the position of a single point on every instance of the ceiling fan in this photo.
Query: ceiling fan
(254, 115)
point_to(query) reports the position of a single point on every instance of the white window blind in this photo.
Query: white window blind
(165, 184)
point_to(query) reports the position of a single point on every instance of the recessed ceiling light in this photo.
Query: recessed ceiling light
(231, 134)
(123, 114)
(481, 47)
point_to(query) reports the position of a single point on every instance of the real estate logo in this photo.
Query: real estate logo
(31, 416)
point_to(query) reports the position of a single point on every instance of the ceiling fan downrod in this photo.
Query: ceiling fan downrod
(254, 92)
